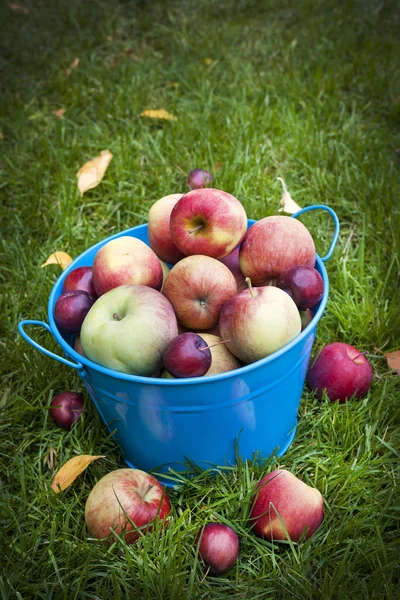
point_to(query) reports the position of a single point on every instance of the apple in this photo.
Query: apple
(222, 359)
(258, 322)
(199, 178)
(306, 317)
(65, 408)
(209, 222)
(285, 507)
(71, 309)
(197, 287)
(218, 547)
(341, 370)
(128, 329)
(78, 346)
(80, 279)
(232, 262)
(125, 260)
(125, 501)
(304, 284)
(165, 271)
(187, 355)
(273, 245)
(158, 229)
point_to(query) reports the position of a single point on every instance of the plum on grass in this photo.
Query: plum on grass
(199, 178)
(65, 408)
(303, 284)
(71, 309)
(219, 547)
(187, 355)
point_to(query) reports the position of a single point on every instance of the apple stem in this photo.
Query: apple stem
(283, 184)
(149, 488)
(196, 228)
(360, 354)
(116, 317)
(248, 281)
(216, 344)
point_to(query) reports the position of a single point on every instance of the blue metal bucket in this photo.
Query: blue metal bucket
(163, 425)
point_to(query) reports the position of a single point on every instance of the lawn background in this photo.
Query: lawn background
(307, 91)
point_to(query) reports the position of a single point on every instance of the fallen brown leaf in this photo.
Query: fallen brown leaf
(158, 114)
(91, 173)
(71, 67)
(393, 360)
(70, 471)
(58, 258)
(59, 113)
(288, 205)
(22, 10)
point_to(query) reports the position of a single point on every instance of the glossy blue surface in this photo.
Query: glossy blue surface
(160, 423)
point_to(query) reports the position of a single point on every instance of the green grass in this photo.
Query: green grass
(307, 91)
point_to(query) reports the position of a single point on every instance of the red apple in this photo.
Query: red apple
(232, 262)
(341, 370)
(123, 502)
(284, 506)
(273, 245)
(71, 309)
(158, 229)
(219, 547)
(258, 322)
(80, 279)
(65, 408)
(209, 222)
(197, 287)
(199, 178)
(126, 260)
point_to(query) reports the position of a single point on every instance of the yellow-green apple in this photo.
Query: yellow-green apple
(218, 547)
(128, 329)
(285, 507)
(259, 321)
(126, 260)
(341, 370)
(208, 221)
(222, 359)
(197, 287)
(273, 245)
(158, 229)
(232, 262)
(127, 502)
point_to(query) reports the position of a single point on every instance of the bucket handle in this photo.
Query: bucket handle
(75, 365)
(335, 218)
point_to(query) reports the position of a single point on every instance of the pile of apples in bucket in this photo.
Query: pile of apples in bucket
(207, 296)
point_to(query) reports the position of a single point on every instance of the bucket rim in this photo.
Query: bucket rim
(88, 364)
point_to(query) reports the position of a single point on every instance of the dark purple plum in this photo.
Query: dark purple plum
(80, 279)
(198, 178)
(219, 547)
(187, 355)
(71, 309)
(304, 284)
(65, 408)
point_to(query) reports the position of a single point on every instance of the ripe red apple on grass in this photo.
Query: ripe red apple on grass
(285, 507)
(197, 287)
(158, 229)
(341, 370)
(218, 547)
(125, 501)
(126, 260)
(273, 245)
(209, 222)
(65, 408)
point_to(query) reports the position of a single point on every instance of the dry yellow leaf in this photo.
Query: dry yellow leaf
(158, 114)
(393, 360)
(70, 471)
(58, 258)
(288, 205)
(59, 113)
(71, 67)
(91, 173)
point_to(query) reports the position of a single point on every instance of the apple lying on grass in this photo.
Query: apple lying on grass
(258, 322)
(125, 501)
(341, 370)
(65, 408)
(128, 329)
(158, 229)
(273, 245)
(197, 287)
(126, 260)
(218, 547)
(209, 222)
(285, 507)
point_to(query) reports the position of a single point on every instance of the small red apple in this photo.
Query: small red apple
(219, 547)
(124, 501)
(283, 506)
(341, 370)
